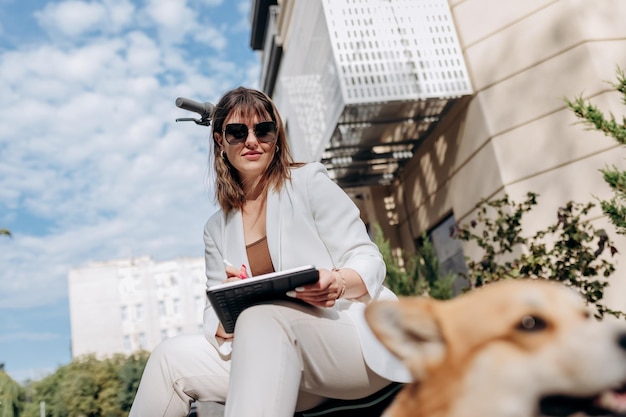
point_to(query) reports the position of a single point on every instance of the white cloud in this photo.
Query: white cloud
(90, 149)
(176, 22)
(120, 14)
(172, 18)
(143, 54)
(212, 37)
(73, 18)
(172, 14)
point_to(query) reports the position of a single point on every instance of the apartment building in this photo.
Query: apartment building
(421, 108)
(122, 306)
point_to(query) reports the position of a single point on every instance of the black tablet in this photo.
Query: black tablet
(231, 298)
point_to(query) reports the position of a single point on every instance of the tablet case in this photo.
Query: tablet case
(231, 298)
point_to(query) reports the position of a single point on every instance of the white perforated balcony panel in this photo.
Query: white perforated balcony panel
(388, 50)
(362, 82)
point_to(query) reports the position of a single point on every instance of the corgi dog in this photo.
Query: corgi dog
(512, 348)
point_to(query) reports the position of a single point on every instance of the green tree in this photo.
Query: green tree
(414, 274)
(5, 232)
(593, 118)
(570, 251)
(11, 395)
(129, 375)
(88, 387)
(47, 391)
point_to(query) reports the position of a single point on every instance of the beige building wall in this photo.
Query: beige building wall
(515, 134)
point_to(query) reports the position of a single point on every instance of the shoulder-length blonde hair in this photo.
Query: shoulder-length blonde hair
(248, 104)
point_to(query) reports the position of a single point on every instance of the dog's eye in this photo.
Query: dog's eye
(532, 324)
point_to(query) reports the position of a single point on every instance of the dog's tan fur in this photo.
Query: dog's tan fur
(481, 355)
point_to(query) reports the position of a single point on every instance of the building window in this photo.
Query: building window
(136, 283)
(139, 311)
(176, 305)
(162, 309)
(163, 334)
(127, 345)
(142, 341)
(449, 252)
(124, 313)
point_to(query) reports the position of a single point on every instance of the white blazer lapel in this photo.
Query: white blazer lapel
(235, 243)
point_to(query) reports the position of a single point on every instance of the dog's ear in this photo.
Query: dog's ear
(409, 329)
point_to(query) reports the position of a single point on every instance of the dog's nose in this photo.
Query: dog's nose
(621, 340)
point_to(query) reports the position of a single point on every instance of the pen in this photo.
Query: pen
(244, 272)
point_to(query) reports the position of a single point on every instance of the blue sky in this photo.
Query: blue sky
(93, 166)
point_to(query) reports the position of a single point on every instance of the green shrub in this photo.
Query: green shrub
(414, 274)
(571, 251)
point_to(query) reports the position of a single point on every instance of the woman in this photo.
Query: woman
(276, 215)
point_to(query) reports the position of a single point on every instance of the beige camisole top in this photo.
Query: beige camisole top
(259, 257)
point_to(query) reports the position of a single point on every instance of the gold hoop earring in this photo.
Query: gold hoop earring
(277, 149)
(223, 155)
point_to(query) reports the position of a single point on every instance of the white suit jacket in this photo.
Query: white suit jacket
(310, 221)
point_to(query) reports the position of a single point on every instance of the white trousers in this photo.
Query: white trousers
(286, 357)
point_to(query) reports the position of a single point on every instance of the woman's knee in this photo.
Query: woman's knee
(177, 348)
(168, 347)
(258, 314)
(264, 318)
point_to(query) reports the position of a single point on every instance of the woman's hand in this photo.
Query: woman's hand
(234, 274)
(324, 293)
(222, 333)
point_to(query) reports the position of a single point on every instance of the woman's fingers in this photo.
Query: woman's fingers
(231, 271)
(322, 294)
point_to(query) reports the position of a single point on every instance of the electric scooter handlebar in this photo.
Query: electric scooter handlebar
(203, 109)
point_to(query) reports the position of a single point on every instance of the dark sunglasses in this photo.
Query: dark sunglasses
(237, 133)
